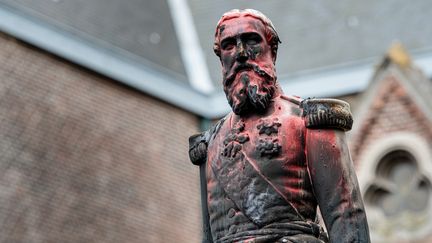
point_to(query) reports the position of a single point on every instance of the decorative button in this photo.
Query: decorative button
(231, 212)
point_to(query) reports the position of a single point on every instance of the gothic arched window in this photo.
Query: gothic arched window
(399, 186)
(395, 175)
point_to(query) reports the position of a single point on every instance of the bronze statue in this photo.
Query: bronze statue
(271, 161)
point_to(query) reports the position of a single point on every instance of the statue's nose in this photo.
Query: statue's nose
(241, 53)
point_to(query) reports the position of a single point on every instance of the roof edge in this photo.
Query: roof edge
(78, 51)
(330, 83)
(397, 63)
(190, 47)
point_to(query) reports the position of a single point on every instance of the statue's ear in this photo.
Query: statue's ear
(216, 50)
(274, 55)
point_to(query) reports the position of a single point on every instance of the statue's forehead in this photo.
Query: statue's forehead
(236, 26)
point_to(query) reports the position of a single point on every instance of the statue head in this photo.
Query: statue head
(246, 43)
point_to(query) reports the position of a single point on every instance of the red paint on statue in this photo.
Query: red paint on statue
(265, 170)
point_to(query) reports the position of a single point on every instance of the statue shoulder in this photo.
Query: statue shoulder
(323, 113)
(296, 100)
(198, 143)
(292, 112)
(326, 113)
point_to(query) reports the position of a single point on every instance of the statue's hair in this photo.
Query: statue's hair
(270, 32)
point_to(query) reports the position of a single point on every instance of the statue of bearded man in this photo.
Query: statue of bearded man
(275, 159)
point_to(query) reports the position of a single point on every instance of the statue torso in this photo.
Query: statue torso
(259, 159)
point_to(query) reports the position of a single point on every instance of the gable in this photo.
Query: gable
(391, 148)
(391, 110)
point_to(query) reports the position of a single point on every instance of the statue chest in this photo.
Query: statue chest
(274, 145)
(254, 168)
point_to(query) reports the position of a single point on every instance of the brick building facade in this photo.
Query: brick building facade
(86, 159)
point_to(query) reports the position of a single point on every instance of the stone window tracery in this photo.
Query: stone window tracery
(395, 175)
(398, 198)
(398, 187)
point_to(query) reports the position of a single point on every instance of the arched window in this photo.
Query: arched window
(395, 178)
(399, 186)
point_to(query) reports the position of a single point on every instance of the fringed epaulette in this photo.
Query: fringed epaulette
(198, 143)
(327, 113)
(198, 148)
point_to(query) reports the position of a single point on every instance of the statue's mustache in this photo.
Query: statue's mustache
(242, 67)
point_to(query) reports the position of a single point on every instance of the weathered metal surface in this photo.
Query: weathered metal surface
(273, 160)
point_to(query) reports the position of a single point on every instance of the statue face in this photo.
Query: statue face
(247, 65)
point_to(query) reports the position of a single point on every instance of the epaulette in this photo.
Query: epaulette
(198, 148)
(198, 143)
(327, 113)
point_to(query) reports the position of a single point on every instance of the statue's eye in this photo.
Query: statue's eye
(252, 38)
(228, 44)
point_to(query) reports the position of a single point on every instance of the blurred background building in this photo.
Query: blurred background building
(99, 97)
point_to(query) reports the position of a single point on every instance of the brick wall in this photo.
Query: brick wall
(392, 110)
(85, 159)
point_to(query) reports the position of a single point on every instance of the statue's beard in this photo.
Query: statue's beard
(249, 89)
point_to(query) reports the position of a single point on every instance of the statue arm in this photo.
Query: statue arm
(198, 144)
(335, 185)
(331, 169)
